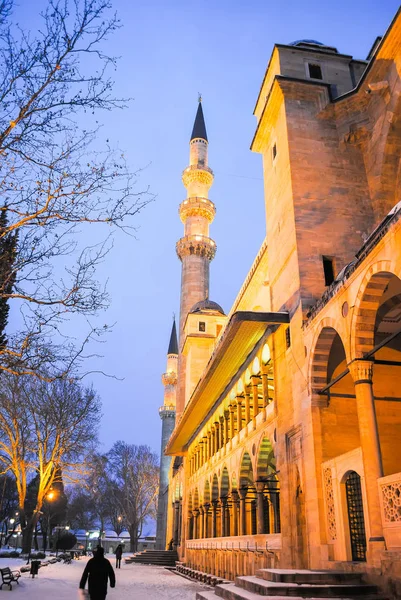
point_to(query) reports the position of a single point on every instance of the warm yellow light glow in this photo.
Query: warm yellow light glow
(67, 527)
(265, 354)
(255, 366)
(50, 495)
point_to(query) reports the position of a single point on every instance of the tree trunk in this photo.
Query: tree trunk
(27, 536)
(133, 534)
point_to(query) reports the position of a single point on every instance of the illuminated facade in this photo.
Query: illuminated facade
(287, 445)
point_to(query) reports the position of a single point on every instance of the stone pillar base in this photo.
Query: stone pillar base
(374, 551)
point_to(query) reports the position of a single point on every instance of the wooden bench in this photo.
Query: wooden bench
(9, 577)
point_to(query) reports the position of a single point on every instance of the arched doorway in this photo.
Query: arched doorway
(247, 495)
(267, 480)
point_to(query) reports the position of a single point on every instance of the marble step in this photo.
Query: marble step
(272, 588)
(232, 592)
(307, 576)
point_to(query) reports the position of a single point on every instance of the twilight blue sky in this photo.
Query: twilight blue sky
(171, 50)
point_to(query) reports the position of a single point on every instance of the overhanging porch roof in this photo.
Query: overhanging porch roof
(243, 331)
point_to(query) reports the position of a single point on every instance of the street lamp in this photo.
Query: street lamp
(67, 527)
(86, 541)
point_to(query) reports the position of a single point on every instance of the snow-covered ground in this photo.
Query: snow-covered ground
(136, 582)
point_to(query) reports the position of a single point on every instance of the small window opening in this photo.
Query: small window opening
(274, 151)
(287, 338)
(328, 268)
(315, 71)
(202, 326)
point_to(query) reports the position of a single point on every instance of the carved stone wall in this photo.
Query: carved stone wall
(331, 513)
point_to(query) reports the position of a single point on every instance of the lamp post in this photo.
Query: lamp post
(86, 541)
(49, 497)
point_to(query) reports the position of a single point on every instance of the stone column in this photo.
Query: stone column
(226, 426)
(205, 520)
(209, 445)
(242, 510)
(362, 374)
(232, 421)
(239, 412)
(217, 430)
(247, 406)
(214, 518)
(176, 522)
(213, 441)
(195, 514)
(180, 523)
(255, 381)
(190, 527)
(265, 385)
(260, 519)
(201, 531)
(223, 517)
(222, 440)
(235, 501)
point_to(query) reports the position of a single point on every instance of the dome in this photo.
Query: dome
(205, 306)
(299, 42)
(303, 43)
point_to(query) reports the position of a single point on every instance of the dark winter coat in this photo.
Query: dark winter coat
(119, 551)
(99, 570)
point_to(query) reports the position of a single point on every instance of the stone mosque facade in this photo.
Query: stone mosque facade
(284, 415)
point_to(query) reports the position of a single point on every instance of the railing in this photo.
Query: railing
(243, 543)
(390, 502)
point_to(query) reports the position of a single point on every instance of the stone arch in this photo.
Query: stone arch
(225, 483)
(196, 498)
(206, 493)
(215, 487)
(266, 463)
(319, 366)
(366, 307)
(246, 471)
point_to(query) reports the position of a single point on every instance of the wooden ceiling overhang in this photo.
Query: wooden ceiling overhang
(243, 331)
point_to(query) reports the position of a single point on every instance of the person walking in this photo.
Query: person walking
(99, 570)
(119, 553)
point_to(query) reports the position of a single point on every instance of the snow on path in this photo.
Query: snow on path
(136, 582)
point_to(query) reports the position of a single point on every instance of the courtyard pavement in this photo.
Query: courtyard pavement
(136, 582)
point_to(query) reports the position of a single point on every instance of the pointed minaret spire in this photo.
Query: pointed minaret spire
(199, 130)
(195, 249)
(173, 345)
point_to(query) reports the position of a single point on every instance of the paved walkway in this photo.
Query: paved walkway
(136, 582)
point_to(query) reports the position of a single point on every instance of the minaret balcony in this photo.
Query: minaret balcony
(166, 411)
(197, 207)
(169, 378)
(197, 174)
(198, 245)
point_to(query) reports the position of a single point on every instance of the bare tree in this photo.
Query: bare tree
(51, 181)
(134, 470)
(46, 430)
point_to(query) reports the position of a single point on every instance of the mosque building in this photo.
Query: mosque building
(282, 418)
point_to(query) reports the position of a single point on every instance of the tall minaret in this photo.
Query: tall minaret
(196, 249)
(167, 415)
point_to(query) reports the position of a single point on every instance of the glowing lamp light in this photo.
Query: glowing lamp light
(67, 527)
(87, 533)
(266, 354)
(255, 366)
(50, 496)
(12, 521)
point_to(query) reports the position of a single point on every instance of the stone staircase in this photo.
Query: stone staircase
(162, 558)
(278, 584)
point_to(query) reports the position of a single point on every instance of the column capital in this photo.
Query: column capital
(234, 496)
(242, 493)
(260, 486)
(232, 406)
(361, 371)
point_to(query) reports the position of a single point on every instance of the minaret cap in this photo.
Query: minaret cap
(173, 345)
(199, 130)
